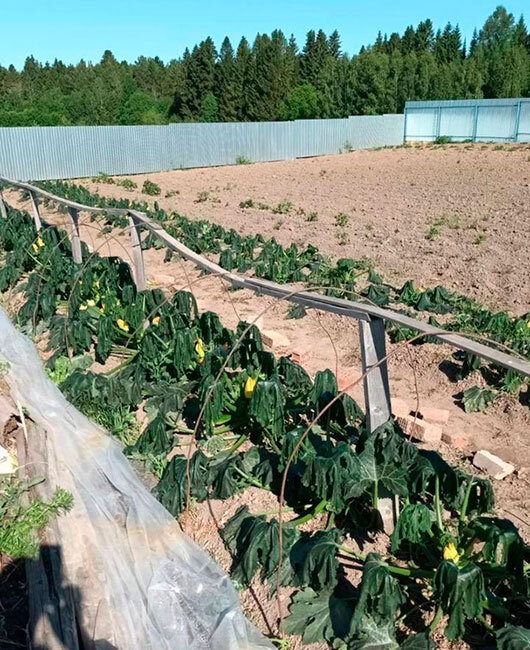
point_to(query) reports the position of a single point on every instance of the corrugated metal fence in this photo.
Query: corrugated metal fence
(38, 153)
(506, 120)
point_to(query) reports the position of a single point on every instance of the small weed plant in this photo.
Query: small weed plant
(150, 188)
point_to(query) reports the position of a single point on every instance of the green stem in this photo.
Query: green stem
(251, 479)
(437, 503)
(375, 496)
(274, 446)
(397, 570)
(242, 439)
(466, 501)
(320, 507)
(485, 623)
(436, 620)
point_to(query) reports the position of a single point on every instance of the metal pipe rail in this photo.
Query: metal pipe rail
(371, 318)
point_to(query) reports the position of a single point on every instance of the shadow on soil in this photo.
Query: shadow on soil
(16, 630)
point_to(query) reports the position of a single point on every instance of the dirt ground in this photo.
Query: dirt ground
(393, 197)
(455, 214)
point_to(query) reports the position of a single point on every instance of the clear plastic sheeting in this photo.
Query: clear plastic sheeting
(155, 588)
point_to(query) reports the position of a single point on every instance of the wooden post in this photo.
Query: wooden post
(74, 235)
(137, 253)
(52, 618)
(3, 211)
(36, 214)
(377, 400)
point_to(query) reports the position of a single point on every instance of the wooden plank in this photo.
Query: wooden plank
(36, 214)
(377, 402)
(137, 253)
(74, 235)
(52, 619)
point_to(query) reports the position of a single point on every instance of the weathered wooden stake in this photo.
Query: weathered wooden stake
(137, 253)
(377, 400)
(74, 235)
(36, 215)
(3, 211)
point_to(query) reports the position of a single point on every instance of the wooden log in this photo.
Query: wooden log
(74, 235)
(377, 401)
(52, 618)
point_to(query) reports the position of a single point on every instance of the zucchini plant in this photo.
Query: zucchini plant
(247, 412)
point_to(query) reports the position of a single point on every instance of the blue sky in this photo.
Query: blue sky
(70, 29)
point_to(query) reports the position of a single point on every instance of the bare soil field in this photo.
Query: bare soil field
(394, 199)
(457, 214)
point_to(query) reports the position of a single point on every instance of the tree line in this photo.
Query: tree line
(274, 79)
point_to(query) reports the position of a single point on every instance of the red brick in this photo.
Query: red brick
(275, 340)
(456, 440)
(301, 355)
(434, 415)
(346, 378)
(420, 430)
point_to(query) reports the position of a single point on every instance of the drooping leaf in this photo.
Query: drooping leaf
(513, 637)
(314, 559)
(461, 594)
(318, 617)
(380, 596)
(414, 523)
(172, 489)
(267, 407)
(503, 544)
(156, 438)
(254, 541)
(328, 471)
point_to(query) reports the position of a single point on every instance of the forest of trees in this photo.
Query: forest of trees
(274, 79)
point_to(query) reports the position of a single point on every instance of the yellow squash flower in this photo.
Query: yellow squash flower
(199, 351)
(91, 303)
(450, 552)
(35, 248)
(156, 320)
(122, 325)
(83, 307)
(40, 242)
(250, 386)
